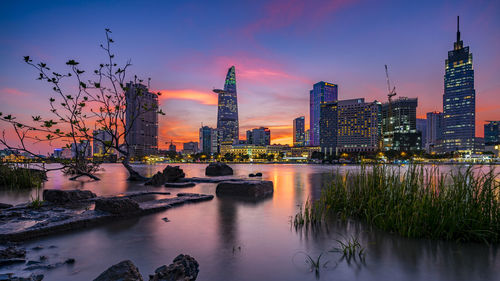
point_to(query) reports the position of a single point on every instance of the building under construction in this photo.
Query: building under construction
(399, 125)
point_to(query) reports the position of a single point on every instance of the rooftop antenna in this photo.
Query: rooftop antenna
(149, 80)
(458, 28)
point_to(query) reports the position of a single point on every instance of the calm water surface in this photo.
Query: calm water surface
(237, 240)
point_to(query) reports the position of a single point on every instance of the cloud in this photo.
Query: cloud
(12, 91)
(203, 97)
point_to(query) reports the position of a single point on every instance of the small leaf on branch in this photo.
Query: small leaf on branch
(72, 62)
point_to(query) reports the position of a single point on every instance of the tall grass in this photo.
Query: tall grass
(15, 176)
(419, 202)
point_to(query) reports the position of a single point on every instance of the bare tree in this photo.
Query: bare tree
(99, 102)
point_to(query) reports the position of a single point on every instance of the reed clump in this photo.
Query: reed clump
(417, 202)
(16, 176)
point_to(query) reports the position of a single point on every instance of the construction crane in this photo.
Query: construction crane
(390, 93)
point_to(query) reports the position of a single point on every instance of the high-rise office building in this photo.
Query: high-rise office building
(82, 149)
(102, 142)
(141, 120)
(459, 100)
(434, 135)
(208, 140)
(190, 147)
(492, 133)
(299, 131)
(328, 128)
(399, 125)
(358, 128)
(307, 137)
(259, 136)
(322, 92)
(350, 126)
(422, 128)
(227, 113)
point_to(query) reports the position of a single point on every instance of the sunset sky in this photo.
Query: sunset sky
(279, 48)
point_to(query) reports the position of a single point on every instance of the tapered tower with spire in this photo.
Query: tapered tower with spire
(459, 99)
(227, 113)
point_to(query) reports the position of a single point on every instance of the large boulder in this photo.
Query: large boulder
(117, 206)
(248, 189)
(12, 252)
(5, 206)
(66, 196)
(183, 268)
(218, 169)
(123, 271)
(169, 174)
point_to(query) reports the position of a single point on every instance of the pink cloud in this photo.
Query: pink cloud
(203, 97)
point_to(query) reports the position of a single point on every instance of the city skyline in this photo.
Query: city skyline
(274, 74)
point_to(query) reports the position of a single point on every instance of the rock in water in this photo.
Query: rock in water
(117, 206)
(248, 189)
(169, 174)
(5, 206)
(218, 169)
(183, 268)
(66, 196)
(123, 271)
(12, 252)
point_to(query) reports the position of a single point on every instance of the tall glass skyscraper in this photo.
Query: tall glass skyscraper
(322, 92)
(299, 131)
(459, 100)
(227, 114)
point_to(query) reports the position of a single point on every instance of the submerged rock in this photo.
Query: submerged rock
(123, 271)
(11, 277)
(12, 252)
(66, 196)
(248, 189)
(179, 184)
(218, 169)
(169, 174)
(117, 206)
(5, 206)
(183, 268)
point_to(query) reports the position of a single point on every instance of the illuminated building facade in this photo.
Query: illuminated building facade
(322, 92)
(358, 126)
(190, 147)
(328, 128)
(434, 134)
(102, 142)
(259, 136)
(142, 124)
(307, 141)
(492, 133)
(422, 128)
(299, 131)
(459, 100)
(208, 140)
(227, 113)
(399, 125)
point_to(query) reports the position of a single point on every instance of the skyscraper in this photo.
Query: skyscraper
(321, 92)
(227, 113)
(350, 126)
(459, 99)
(208, 140)
(102, 143)
(259, 136)
(328, 127)
(422, 128)
(358, 126)
(399, 125)
(141, 120)
(434, 134)
(299, 131)
(492, 133)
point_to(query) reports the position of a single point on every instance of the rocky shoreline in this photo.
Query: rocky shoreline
(22, 222)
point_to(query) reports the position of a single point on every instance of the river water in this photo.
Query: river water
(238, 240)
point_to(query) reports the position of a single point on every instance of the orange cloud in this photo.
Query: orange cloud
(202, 97)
